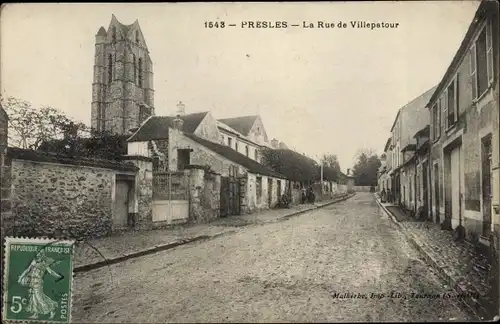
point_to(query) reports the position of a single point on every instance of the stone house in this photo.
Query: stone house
(175, 143)
(409, 119)
(465, 133)
(422, 181)
(384, 174)
(245, 134)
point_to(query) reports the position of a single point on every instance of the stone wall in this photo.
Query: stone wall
(56, 200)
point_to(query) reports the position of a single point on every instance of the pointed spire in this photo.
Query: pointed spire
(101, 32)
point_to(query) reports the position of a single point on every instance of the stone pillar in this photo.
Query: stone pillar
(244, 208)
(196, 183)
(216, 194)
(143, 191)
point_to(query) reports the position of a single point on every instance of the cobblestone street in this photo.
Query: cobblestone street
(277, 272)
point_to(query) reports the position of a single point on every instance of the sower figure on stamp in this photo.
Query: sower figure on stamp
(32, 277)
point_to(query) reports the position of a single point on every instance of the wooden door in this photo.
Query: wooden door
(269, 192)
(486, 186)
(425, 188)
(436, 192)
(120, 215)
(455, 183)
(224, 197)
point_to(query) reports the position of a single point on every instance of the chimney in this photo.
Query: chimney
(275, 143)
(348, 171)
(178, 122)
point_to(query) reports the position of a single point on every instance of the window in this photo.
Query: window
(452, 103)
(246, 150)
(229, 141)
(140, 72)
(481, 62)
(110, 68)
(135, 68)
(256, 155)
(258, 189)
(114, 33)
(410, 189)
(183, 158)
(436, 120)
(236, 146)
(137, 36)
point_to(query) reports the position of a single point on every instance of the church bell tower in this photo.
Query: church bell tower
(122, 91)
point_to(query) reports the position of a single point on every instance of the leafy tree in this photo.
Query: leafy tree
(30, 127)
(101, 146)
(293, 165)
(365, 169)
(331, 167)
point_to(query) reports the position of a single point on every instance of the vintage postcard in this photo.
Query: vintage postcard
(250, 162)
(38, 276)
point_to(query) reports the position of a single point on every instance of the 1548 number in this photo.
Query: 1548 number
(215, 24)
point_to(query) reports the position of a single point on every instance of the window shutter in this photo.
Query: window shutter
(473, 78)
(444, 101)
(438, 114)
(457, 97)
(489, 51)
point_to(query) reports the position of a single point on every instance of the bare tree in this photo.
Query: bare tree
(30, 127)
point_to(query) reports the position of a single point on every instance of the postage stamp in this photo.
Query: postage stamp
(38, 278)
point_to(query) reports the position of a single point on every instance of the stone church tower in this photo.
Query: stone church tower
(122, 91)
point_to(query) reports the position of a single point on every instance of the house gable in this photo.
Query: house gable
(208, 129)
(258, 133)
(241, 124)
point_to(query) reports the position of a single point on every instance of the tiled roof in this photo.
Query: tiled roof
(241, 124)
(236, 157)
(156, 127)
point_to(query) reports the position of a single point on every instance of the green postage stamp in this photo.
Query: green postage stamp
(38, 277)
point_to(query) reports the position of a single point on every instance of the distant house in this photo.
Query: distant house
(245, 134)
(383, 178)
(409, 119)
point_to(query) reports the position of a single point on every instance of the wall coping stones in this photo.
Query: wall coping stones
(136, 158)
(37, 156)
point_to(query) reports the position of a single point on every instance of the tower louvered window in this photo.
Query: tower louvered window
(135, 70)
(114, 33)
(110, 68)
(140, 72)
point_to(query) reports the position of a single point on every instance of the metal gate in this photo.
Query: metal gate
(170, 197)
(229, 196)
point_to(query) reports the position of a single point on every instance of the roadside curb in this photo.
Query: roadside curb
(286, 217)
(468, 302)
(157, 248)
(168, 246)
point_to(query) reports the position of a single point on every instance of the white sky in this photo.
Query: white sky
(318, 90)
